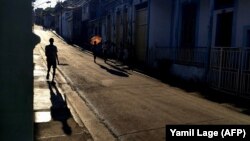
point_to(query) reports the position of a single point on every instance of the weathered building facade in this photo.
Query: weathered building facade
(205, 41)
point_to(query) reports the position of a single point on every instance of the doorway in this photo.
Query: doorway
(141, 26)
(224, 24)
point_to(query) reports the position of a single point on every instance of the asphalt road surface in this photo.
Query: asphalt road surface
(131, 105)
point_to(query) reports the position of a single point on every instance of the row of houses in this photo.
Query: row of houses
(201, 40)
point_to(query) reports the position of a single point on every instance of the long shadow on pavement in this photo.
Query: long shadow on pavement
(59, 108)
(63, 64)
(117, 68)
(114, 72)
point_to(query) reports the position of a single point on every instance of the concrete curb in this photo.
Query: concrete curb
(97, 129)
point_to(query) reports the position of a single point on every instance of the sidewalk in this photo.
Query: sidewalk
(53, 118)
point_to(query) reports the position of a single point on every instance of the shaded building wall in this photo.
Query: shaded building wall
(159, 28)
(49, 21)
(118, 27)
(140, 31)
(200, 36)
(84, 23)
(67, 25)
(224, 21)
(16, 73)
(165, 42)
(57, 22)
(39, 16)
(60, 23)
(160, 23)
(85, 12)
(93, 18)
(180, 17)
(203, 24)
(242, 24)
(77, 15)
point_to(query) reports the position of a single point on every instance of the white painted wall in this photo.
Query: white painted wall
(242, 20)
(160, 23)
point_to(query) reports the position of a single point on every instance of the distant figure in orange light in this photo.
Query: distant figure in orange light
(52, 58)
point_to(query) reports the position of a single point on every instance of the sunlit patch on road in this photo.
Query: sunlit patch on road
(43, 116)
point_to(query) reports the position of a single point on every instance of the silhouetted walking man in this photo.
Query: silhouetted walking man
(51, 54)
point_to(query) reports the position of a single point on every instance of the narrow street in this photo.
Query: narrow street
(131, 105)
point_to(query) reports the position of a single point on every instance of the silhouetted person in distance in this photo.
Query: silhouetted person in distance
(94, 50)
(52, 58)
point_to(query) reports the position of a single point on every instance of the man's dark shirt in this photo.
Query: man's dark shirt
(51, 53)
